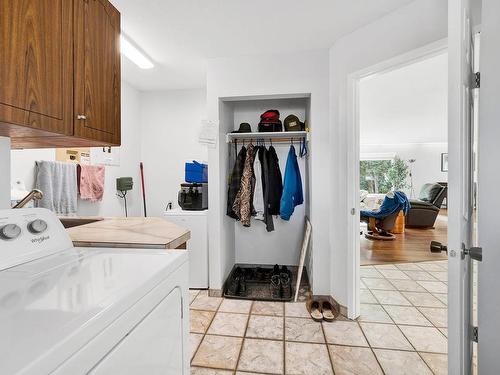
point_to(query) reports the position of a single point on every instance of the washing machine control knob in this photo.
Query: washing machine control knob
(10, 232)
(37, 226)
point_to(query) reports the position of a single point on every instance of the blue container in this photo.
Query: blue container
(196, 172)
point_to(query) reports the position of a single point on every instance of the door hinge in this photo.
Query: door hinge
(475, 334)
(476, 84)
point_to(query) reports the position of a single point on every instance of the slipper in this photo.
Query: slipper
(314, 308)
(327, 309)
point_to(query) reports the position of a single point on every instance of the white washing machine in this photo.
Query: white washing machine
(67, 310)
(197, 246)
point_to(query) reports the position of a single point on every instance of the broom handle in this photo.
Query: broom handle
(143, 189)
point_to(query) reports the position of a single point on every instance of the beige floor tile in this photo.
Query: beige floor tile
(444, 331)
(204, 302)
(434, 286)
(420, 275)
(218, 352)
(394, 274)
(395, 362)
(373, 313)
(426, 339)
(192, 294)
(438, 317)
(362, 285)
(430, 266)
(437, 362)
(407, 315)
(441, 276)
(303, 330)
(423, 299)
(366, 296)
(344, 333)
(208, 371)
(200, 320)
(350, 360)
(268, 308)
(390, 297)
(307, 359)
(248, 373)
(407, 286)
(194, 342)
(385, 336)
(369, 271)
(408, 267)
(443, 297)
(265, 327)
(297, 310)
(228, 324)
(262, 356)
(381, 284)
(385, 267)
(235, 306)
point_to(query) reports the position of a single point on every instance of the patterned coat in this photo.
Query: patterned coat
(242, 206)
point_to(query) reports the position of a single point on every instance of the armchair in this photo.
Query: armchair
(424, 210)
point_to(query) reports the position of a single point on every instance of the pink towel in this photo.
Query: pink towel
(91, 182)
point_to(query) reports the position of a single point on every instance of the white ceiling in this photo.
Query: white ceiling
(407, 105)
(179, 35)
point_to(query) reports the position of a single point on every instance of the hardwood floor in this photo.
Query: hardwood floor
(412, 246)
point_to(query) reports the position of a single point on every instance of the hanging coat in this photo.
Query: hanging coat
(263, 157)
(275, 187)
(242, 205)
(234, 181)
(258, 188)
(292, 189)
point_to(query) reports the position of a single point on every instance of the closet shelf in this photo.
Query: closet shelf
(268, 136)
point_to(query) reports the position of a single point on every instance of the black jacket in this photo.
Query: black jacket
(234, 181)
(263, 157)
(275, 186)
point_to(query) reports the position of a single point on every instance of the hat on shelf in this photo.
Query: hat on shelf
(244, 128)
(293, 124)
(270, 121)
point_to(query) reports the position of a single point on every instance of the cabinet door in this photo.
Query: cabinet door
(36, 66)
(97, 71)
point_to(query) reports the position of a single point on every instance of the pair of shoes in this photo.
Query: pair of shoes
(321, 310)
(281, 283)
(237, 285)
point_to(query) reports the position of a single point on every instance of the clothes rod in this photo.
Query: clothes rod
(268, 136)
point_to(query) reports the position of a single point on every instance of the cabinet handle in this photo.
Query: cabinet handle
(81, 117)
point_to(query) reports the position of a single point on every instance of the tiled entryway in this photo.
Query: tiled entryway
(402, 330)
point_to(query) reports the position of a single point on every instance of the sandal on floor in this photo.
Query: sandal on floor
(327, 310)
(314, 308)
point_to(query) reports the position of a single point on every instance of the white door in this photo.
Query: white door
(489, 186)
(460, 186)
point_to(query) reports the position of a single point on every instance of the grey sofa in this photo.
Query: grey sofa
(424, 210)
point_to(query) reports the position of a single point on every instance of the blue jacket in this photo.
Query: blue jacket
(292, 186)
(390, 206)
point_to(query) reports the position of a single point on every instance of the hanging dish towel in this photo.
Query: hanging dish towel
(292, 189)
(234, 181)
(242, 206)
(57, 181)
(91, 182)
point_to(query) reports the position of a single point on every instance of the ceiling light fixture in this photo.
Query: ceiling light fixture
(133, 54)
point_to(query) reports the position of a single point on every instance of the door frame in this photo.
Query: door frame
(353, 157)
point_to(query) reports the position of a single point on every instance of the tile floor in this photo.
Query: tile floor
(402, 330)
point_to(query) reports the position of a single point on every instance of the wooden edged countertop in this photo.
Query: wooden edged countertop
(130, 232)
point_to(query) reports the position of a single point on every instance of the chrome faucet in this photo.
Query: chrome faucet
(34, 194)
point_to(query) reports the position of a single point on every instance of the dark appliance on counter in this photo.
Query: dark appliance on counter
(193, 197)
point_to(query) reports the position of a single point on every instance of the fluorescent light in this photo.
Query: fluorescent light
(134, 55)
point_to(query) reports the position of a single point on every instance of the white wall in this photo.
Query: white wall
(271, 75)
(426, 168)
(170, 123)
(23, 162)
(4, 170)
(413, 26)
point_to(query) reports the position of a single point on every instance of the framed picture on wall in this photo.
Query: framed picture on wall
(444, 162)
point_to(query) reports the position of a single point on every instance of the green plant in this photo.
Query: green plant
(398, 174)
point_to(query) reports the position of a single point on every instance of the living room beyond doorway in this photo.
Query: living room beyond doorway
(403, 162)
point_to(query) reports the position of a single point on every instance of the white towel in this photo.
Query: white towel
(57, 181)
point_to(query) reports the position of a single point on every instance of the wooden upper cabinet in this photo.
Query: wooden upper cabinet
(97, 71)
(36, 66)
